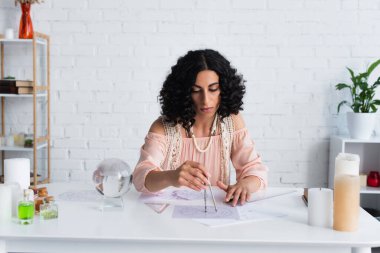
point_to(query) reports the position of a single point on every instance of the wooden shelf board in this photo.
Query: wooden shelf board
(28, 41)
(347, 139)
(370, 190)
(16, 148)
(22, 95)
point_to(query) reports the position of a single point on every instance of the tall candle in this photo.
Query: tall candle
(5, 203)
(17, 170)
(320, 207)
(346, 202)
(16, 196)
(346, 163)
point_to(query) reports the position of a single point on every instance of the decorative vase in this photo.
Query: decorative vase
(373, 179)
(361, 125)
(26, 26)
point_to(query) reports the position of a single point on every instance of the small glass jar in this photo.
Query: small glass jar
(28, 141)
(49, 210)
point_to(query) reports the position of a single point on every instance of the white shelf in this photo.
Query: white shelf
(18, 148)
(22, 95)
(370, 190)
(347, 139)
(28, 41)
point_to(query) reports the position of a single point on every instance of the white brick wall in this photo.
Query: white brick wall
(109, 59)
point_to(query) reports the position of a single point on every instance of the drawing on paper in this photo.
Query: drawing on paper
(198, 212)
(187, 194)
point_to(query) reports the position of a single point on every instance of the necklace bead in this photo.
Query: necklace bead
(213, 132)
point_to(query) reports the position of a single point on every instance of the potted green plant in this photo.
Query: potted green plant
(361, 121)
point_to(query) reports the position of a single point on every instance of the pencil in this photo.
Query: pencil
(212, 195)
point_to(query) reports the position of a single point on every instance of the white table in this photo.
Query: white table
(81, 227)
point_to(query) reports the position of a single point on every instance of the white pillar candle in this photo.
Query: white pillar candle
(347, 164)
(16, 196)
(320, 207)
(5, 203)
(17, 170)
(9, 34)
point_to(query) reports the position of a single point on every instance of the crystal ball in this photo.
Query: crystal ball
(112, 178)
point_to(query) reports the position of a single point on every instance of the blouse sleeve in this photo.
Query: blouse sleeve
(245, 159)
(152, 154)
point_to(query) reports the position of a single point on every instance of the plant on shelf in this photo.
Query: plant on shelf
(362, 94)
(28, 1)
(361, 121)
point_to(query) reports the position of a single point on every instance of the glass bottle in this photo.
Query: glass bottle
(26, 208)
(49, 210)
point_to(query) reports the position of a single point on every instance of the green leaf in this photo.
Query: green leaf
(342, 103)
(373, 66)
(351, 72)
(376, 102)
(340, 86)
(373, 107)
(355, 107)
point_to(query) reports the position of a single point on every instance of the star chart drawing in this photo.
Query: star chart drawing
(172, 195)
(198, 212)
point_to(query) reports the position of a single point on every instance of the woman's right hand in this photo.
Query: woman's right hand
(192, 175)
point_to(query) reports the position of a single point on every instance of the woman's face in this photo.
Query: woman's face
(206, 93)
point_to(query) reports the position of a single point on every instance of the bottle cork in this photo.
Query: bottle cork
(42, 192)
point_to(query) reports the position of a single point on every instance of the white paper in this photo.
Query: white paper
(171, 195)
(17, 170)
(249, 212)
(270, 193)
(177, 195)
(198, 212)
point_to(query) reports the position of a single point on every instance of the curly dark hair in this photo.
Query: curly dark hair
(175, 96)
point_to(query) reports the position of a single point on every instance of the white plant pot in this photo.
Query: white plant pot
(361, 125)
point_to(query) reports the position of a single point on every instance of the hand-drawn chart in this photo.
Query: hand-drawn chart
(187, 194)
(171, 195)
(198, 212)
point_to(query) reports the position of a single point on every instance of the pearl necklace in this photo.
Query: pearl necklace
(213, 132)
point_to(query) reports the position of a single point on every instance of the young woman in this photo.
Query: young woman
(200, 131)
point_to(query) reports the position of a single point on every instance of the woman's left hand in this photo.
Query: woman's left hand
(242, 190)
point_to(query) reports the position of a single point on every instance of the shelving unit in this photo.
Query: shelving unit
(369, 152)
(41, 91)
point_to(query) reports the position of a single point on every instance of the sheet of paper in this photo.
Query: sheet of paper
(172, 195)
(177, 195)
(198, 212)
(270, 193)
(247, 213)
(157, 207)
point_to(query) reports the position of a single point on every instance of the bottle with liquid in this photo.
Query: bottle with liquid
(26, 208)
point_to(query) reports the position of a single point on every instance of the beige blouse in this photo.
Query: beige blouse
(243, 156)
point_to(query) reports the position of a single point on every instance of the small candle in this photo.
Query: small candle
(17, 170)
(9, 33)
(346, 163)
(346, 202)
(363, 180)
(320, 207)
(5, 202)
